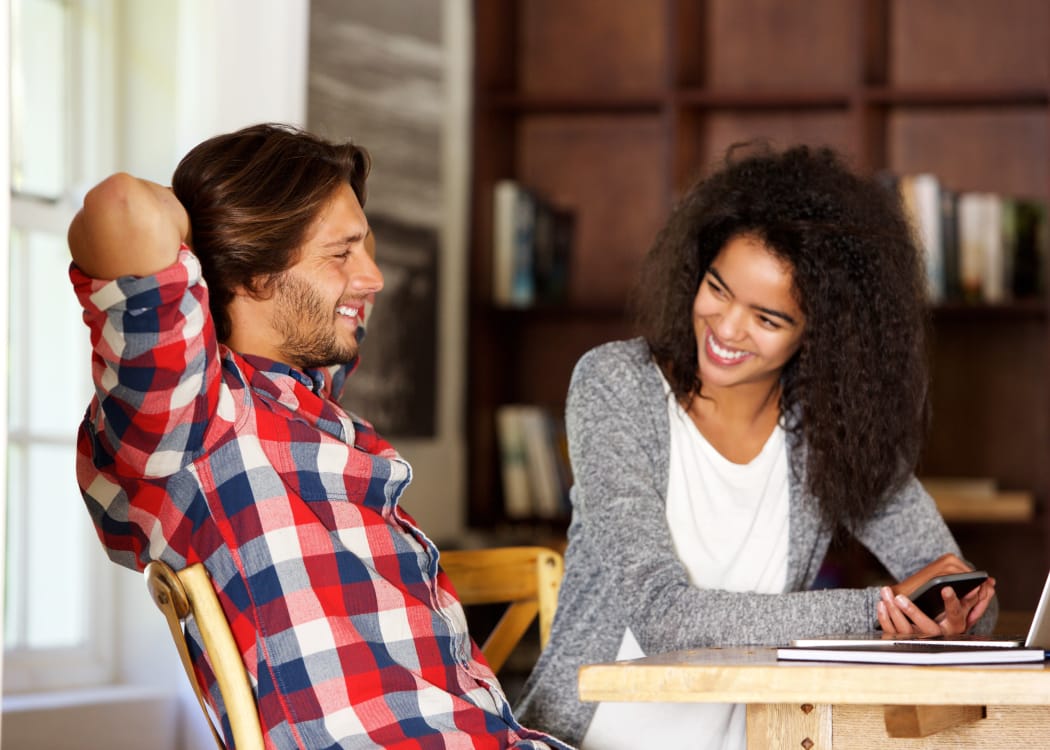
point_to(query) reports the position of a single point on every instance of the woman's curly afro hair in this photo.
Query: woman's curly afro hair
(856, 391)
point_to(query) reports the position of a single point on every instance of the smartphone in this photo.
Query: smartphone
(928, 596)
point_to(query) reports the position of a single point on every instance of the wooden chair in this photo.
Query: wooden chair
(190, 593)
(525, 578)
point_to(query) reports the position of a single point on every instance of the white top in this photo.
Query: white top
(745, 549)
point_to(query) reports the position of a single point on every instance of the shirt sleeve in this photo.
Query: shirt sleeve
(155, 366)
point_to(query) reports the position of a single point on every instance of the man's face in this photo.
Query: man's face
(319, 301)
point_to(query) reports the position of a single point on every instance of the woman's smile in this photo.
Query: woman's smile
(724, 355)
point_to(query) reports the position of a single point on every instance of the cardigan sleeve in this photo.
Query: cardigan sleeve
(908, 532)
(617, 426)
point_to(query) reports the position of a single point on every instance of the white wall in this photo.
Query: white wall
(201, 68)
(195, 68)
(198, 68)
(5, 222)
(243, 61)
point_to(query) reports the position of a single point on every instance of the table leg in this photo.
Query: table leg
(775, 726)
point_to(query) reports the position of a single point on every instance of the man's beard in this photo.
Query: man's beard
(307, 324)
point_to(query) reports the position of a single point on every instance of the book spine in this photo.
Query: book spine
(541, 461)
(517, 503)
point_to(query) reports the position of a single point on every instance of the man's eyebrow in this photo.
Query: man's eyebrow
(767, 310)
(348, 239)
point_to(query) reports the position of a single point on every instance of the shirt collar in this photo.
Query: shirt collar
(317, 380)
(327, 382)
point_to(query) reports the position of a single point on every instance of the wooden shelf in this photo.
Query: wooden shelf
(1002, 507)
(1022, 308)
(964, 97)
(727, 99)
(612, 107)
(525, 104)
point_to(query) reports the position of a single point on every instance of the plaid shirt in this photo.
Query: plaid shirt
(190, 452)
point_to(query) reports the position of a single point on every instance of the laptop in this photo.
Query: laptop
(839, 647)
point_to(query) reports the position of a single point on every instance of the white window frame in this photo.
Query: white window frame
(91, 114)
(165, 75)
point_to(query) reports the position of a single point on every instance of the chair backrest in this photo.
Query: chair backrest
(189, 593)
(525, 578)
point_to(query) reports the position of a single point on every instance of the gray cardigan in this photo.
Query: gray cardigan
(621, 569)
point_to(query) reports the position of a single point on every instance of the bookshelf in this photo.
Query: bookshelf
(611, 107)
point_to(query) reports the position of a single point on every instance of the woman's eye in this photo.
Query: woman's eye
(769, 323)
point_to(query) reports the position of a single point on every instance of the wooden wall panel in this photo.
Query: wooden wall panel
(990, 398)
(824, 128)
(553, 344)
(970, 43)
(999, 150)
(560, 40)
(611, 171)
(769, 44)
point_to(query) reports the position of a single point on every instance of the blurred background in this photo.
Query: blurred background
(525, 153)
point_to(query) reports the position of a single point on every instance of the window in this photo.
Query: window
(56, 575)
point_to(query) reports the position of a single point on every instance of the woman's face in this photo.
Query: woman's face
(747, 322)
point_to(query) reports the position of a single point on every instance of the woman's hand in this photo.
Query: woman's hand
(897, 614)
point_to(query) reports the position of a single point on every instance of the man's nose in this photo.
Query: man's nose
(365, 276)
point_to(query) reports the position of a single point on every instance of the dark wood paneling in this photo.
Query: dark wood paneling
(781, 128)
(766, 44)
(588, 47)
(1001, 150)
(1015, 555)
(495, 45)
(612, 107)
(610, 171)
(549, 347)
(968, 43)
(689, 40)
(991, 400)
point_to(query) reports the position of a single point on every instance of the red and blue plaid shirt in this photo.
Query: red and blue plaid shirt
(190, 452)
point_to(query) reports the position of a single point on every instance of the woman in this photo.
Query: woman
(777, 398)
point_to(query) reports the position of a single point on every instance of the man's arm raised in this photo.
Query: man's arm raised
(127, 227)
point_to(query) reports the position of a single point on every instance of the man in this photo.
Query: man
(225, 314)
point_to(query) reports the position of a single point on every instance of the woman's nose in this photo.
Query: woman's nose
(730, 324)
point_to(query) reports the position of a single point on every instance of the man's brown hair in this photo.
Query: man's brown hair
(251, 196)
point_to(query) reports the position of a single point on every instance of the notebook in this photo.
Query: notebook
(925, 649)
(915, 652)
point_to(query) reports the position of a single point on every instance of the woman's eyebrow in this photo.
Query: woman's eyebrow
(776, 314)
(767, 310)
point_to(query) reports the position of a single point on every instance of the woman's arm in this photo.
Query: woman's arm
(616, 412)
(911, 539)
(127, 227)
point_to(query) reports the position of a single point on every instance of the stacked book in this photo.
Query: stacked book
(978, 246)
(534, 463)
(531, 247)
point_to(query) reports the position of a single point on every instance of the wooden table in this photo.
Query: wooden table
(817, 705)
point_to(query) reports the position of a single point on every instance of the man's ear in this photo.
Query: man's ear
(258, 289)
